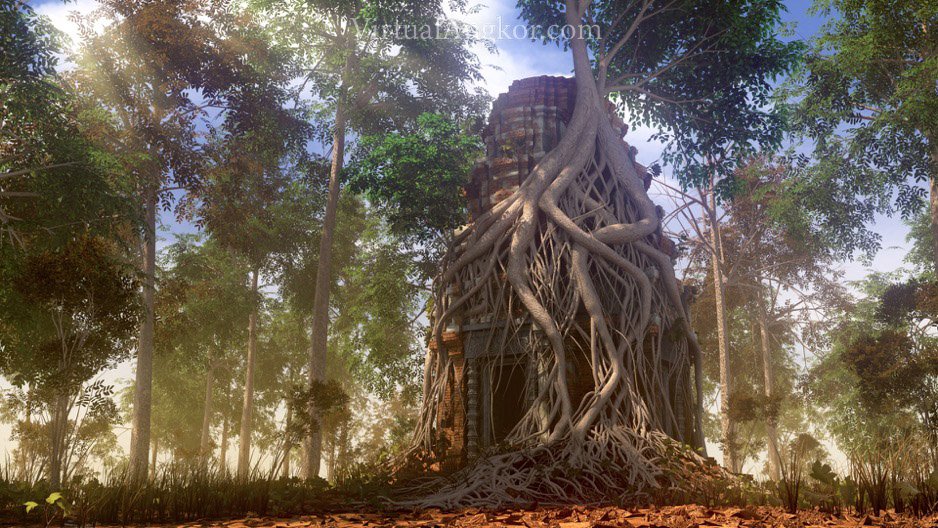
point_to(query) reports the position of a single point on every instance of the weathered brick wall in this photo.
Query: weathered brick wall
(525, 123)
(451, 419)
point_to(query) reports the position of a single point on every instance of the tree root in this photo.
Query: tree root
(569, 264)
(611, 466)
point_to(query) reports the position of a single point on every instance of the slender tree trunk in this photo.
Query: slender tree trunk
(247, 410)
(768, 372)
(223, 454)
(156, 451)
(933, 204)
(58, 426)
(143, 385)
(341, 458)
(333, 462)
(23, 446)
(728, 436)
(320, 332)
(204, 441)
(287, 442)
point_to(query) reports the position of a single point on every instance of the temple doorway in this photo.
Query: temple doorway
(504, 384)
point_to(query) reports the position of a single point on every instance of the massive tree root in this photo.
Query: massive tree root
(570, 264)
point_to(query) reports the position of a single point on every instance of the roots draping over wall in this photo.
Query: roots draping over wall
(570, 257)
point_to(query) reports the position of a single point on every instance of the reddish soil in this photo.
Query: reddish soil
(690, 516)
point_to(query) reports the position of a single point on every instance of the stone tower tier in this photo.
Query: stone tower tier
(525, 123)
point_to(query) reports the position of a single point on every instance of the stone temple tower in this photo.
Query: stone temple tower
(488, 391)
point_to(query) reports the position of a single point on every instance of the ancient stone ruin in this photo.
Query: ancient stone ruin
(490, 388)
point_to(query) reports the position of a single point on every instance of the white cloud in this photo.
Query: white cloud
(502, 66)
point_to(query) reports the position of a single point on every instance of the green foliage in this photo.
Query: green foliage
(837, 203)
(53, 177)
(55, 506)
(794, 459)
(379, 301)
(82, 297)
(415, 179)
(67, 314)
(773, 254)
(921, 238)
(866, 96)
(28, 41)
(202, 307)
(382, 80)
(27, 69)
(259, 210)
(876, 389)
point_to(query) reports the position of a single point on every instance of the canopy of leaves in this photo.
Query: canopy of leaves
(52, 179)
(70, 312)
(157, 69)
(880, 376)
(870, 78)
(383, 79)
(415, 179)
(203, 301)
(380, 300)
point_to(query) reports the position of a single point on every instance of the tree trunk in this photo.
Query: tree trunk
(223, 453)
(287, 443)
(768, 371)
(58, 427)
(247, 410)
(728, 436)
(319, 338)
(341, 456)
(156, 451)
(143, 384)
(23, 446)
(933, 205)
(205, 439)
(333, 455)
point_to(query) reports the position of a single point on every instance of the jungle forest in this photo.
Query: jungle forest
(553, 263)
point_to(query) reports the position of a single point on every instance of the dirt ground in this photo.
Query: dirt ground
(691, 516)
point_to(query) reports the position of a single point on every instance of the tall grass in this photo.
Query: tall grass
(177, 493)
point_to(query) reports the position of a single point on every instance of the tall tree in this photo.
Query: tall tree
(776, 257)
(368, 80)
(157, 68)
(867, 99)
(722, 130)
(202, 304)
(256, 203)
(67, 297)
(878, 383)
(72, 312)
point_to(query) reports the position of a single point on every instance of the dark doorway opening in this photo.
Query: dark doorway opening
(507, 398)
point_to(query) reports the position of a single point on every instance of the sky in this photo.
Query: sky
(517, 58)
